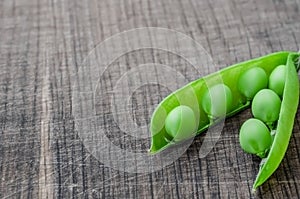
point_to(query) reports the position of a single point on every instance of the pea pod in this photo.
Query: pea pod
(160, 139)
(285, 123)
(196, 90)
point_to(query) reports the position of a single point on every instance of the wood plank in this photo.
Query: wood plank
(43, 44)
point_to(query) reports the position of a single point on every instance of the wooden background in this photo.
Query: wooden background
(43, 44)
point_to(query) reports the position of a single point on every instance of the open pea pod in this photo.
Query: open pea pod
(192, 96)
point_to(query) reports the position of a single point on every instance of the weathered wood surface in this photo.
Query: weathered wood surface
(44, 42)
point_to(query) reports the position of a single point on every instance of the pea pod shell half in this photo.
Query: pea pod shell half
(285, 123)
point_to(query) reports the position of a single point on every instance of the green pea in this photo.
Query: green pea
(217, 100)
(266, 106)
(277, 80)
(251, 81)
(255, 137)
(181, 123)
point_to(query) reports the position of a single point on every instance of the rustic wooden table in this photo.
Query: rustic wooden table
(45, 58)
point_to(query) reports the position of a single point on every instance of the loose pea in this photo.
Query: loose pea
(251, 81)
(266, 106)
(277, 80)
(255, 137)
(181, 123)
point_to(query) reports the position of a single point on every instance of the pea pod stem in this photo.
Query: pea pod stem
(271, 125)
(298, 64)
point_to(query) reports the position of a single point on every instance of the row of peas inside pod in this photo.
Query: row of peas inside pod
(256, 86)
(181, 122)
(256, 134)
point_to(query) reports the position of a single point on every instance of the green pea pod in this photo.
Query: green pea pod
(285, 123)
(186, 95)
(193, 93)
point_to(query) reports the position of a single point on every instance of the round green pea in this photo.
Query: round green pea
(277, 80)
(266, 106)
(217, 100)
(251, 81)
(181, 123)
(255, 137)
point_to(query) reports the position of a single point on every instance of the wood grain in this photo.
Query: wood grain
(43, 44)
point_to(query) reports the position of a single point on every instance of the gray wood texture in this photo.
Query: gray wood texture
(44, 42)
